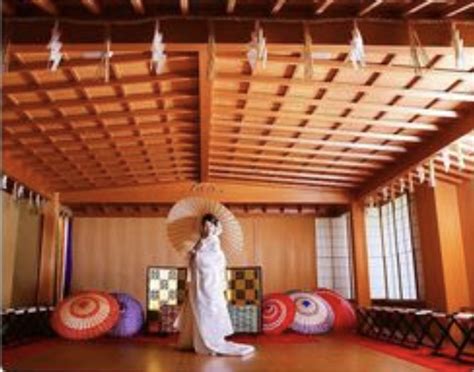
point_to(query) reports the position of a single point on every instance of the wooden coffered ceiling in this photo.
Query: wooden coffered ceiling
(283, 8)
(344, 132)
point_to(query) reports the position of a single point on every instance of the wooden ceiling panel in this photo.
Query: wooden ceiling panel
(75, 117)
(340, 129)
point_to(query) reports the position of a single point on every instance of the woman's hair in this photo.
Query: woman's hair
(209, 217)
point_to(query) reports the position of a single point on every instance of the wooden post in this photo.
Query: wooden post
(47, 269)
(446, 282)
(361, 267)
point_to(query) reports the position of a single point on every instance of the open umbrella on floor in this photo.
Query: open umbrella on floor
(344, 314)
(278, 313)
(184, 224)
(313, 313)
(85, 315)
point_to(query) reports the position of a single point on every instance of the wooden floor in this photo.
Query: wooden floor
(329, 354)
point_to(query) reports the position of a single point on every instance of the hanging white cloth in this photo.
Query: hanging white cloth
(204, 321)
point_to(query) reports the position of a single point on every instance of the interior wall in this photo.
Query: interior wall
(20, 253)
(112, 254)
(10, 214)
(25, 278)
(466, 213)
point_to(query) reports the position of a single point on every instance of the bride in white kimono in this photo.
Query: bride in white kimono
(204, 321)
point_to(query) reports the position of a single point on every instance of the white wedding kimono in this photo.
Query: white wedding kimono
(204, 320)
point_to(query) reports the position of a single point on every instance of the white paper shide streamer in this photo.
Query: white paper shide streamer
(357, 52)
(105, 63)
(158, 55)
(402, 185)
(458, 45)
(446, 159)
(418, 53)
(257, 48)
(432, 179)
(421, 173)
(54, 46)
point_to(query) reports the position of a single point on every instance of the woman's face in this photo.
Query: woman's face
(210, 229)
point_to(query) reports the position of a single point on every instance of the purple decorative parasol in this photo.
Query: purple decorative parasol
(131, 316)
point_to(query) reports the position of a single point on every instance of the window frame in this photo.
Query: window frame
(398, 249)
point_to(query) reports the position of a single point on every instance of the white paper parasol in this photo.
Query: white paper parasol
(184, 224)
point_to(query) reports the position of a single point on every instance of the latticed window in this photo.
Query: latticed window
(334, 254)
(394, 260)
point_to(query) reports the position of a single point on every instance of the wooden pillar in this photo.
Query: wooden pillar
(466, 209)
(47, 268)
(361, 267)
(446, 283)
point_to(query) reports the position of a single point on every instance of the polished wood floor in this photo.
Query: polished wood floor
(329, 354)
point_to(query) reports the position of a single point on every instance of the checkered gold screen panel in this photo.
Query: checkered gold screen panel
(244, 286)
(167, 286)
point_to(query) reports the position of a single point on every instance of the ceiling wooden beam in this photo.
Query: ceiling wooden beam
(205, 99)
(458, 8)
(116, 142)
(308, 129)
(225, 192)
(418, 5)
(81, 102)
(159, 147)
(369, 7)
(184, 6)
(19, 172)
(328, 179)
(285, 35)
(155, 113)
(46, 5)
(148, 127)
(444, 138)
(343, 166)
(92, 6)
(323, 6)
(318, 118)
(430, 71)
(378, 157)
(329, 102)
(273, 180)
(313, 142)
(331, 173)
(277, 6)
(75, 62)
(138, 6)
(94, 83)
(231, 6)
(408, 92)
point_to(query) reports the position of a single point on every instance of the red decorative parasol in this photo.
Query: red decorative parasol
(85, 315)
(345, 317)
(278, 313)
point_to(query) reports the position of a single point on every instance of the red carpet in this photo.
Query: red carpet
(421, 356)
